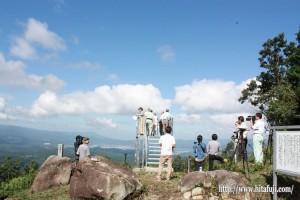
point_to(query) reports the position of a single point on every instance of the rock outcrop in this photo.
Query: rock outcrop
(219, 184)
(101, 178)
(55, 171)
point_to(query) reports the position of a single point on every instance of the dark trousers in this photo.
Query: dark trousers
(197, 165)
(212, 158)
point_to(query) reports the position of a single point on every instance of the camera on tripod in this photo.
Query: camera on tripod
(235, 135)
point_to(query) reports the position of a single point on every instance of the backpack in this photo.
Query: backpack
(78, 142)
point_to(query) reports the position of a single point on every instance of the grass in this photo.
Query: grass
(152, 189)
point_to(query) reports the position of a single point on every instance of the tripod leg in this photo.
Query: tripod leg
(233, 156)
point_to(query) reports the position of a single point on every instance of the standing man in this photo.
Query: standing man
(149, 121)
(155, 124)
(84, 149)
(259, 130)
(166, 119)
(199, 153)
(167, 143)
(213, 151)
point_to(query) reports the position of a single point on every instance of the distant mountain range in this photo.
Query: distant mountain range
(15, 138)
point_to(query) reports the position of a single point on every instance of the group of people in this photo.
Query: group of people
(259, 128)
(201, 151)
(82, 149)
(153, 122)
(212, 151)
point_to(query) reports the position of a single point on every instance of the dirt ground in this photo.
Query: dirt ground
(163, 190)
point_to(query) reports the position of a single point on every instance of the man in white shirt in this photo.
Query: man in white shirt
(166, 119)
(84, 149)
(167, 143)
(259, 130)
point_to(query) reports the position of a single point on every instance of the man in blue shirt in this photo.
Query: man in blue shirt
(199, 153)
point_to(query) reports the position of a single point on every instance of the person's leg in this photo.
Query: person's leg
(211, 159)
(261, 154)
(257, 148)
(201, 164)
(169, 167)
(245, 142)
(164, 125)
(162, 160)
(196, 165)
(219, 158)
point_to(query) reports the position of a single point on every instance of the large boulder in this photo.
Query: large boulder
(219, 184)
(101, 178)
(54, 171)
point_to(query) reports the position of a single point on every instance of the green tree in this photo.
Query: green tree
(178, 164)
(276, 91)
(10, 168)
(31, 167)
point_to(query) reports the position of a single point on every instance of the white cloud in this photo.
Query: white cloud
(102, 123)
(36, 35)
(188, 118)
(210, 96)
(166, 53)
(12, 73)
(119, 99)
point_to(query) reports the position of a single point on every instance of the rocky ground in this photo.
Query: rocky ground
(164, 189)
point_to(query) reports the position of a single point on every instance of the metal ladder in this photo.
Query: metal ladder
(154, 149)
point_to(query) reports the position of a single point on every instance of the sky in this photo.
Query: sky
(87, 66)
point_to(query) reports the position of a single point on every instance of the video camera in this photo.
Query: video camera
(249, 118)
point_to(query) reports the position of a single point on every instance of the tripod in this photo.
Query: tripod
(241, 150)
(269, 147)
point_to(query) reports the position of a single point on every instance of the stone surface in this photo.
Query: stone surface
(187, 195)
(197, 191)
(102, 179)
(54, 171)
(211, 184)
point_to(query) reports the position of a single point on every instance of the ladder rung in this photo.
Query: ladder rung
(154, 150)
(157, 163)
(156, 147)
(153, 158)
(152, 154)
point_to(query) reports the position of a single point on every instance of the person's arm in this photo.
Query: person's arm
(174, 143)
(88, 153)
(77, 153)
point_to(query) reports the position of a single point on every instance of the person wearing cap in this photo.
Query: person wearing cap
(149, 121)
(84, 149)
(199, 153)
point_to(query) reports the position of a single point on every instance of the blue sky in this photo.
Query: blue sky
(86, 66)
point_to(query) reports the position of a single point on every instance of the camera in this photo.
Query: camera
(235, 135)
(249, 118)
